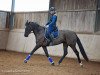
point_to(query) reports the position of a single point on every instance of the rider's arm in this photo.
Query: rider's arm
(48, 22)
(54, 19)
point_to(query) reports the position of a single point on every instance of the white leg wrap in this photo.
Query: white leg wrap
(81, 64)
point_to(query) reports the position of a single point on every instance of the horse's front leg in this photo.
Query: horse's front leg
(49, 58)
(28, 57)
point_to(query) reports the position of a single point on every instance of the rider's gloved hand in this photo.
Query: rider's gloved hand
(46, 26)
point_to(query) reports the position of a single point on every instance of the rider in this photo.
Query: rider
(51, 25)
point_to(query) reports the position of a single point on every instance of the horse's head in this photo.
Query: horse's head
(28, 28)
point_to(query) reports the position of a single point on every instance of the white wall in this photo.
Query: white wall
(17, 42)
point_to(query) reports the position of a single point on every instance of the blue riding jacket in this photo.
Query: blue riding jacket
(52, 24)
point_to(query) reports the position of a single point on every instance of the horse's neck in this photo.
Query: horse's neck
(38, 30)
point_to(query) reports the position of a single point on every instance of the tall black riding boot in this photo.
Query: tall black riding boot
(49, 42)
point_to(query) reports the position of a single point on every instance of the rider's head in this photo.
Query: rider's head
(52, 10)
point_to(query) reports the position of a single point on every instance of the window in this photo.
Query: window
(31, 5)
(5, 5)
(25, 5)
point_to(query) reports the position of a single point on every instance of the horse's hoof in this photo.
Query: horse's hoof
(53, 64)
(58, 64)
(81, 65)
(25, 61)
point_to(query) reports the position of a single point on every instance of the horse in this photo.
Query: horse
(66, 37)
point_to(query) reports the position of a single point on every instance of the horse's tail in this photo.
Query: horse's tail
(82, 49)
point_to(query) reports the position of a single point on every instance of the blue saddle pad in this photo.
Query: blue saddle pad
(54, 34)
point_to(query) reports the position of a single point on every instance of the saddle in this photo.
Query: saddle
(53, 35)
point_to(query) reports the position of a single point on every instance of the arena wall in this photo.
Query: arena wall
(4, 32)
(17, 42)
(75, 15)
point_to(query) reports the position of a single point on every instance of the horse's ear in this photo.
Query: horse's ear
(26, 23)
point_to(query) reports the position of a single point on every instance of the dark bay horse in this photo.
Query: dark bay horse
(68, 38)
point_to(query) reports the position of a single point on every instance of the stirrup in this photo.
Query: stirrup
(49, 43)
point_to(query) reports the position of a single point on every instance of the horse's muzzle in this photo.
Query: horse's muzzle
(25, 35)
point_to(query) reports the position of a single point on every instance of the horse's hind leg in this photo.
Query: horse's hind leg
(77, 54)
(65, 46)
(49, 58)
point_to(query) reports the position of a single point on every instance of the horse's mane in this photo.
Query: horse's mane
(37, 26)
(35, 23)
